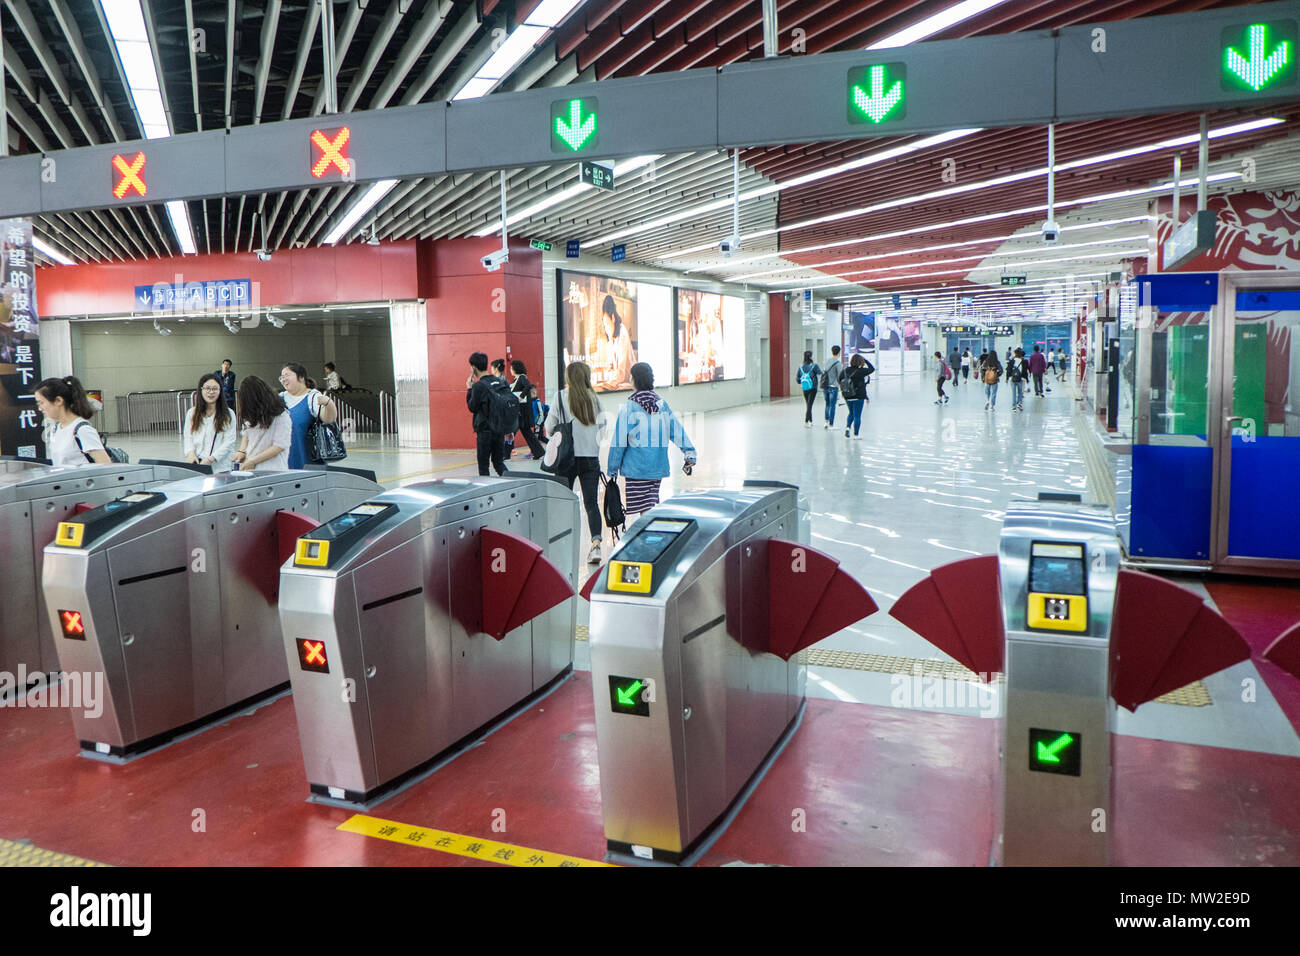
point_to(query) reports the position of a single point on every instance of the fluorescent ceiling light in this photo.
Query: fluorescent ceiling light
(49, 252)
(936, 23)
(179, 214)
(476, 87)
(376, 192)
(550, 13)
(517, 46)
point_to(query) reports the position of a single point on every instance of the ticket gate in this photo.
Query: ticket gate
(171, 594)
(34, 498)
(417, 619)
(698, 624)
(1074, 635)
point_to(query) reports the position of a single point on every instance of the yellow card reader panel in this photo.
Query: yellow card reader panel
(311, 553)
(1058, 612)
(633, 577)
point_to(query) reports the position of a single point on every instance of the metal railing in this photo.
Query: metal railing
(153, 413)
(365, 412)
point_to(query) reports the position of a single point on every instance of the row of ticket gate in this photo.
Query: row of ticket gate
(407, 622)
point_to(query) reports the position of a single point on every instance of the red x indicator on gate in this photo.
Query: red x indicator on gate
(129, 171)
(311, 656)
(72, 626)
(332, 147)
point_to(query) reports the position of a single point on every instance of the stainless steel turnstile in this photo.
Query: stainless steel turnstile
(171, 594)
(33, 500)
(390, 611)
(698, 624)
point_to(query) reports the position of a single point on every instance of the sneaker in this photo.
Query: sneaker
(986, 406)
(857, 438)
(846, 433)
(828, 425)
(938, 401)
(593, 556)
(807, 424)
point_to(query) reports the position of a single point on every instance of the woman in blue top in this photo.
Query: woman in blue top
(304, 404)
(639, 450)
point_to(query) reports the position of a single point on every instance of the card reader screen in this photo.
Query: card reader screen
(652, 542)
(1056, 569)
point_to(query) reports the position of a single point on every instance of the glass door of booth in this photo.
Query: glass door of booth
(1257, 431)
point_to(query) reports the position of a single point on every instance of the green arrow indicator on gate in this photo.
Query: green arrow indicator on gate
(1047, 753)
(570, 128)
(869, 100)
(628, 697)
(1269, 58)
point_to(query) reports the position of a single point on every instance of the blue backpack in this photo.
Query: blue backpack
(805, 379)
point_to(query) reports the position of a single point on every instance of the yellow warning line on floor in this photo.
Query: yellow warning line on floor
(19, 853)
(430, 471)
(506, 854)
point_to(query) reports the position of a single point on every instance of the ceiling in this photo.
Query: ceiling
(238, 62)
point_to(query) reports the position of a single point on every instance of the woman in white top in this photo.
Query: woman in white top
(303, 404)
(73, 440)
(268, 429)
(578, 404)
(210, 426)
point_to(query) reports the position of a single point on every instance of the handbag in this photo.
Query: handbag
(324, 441)
(559, 458)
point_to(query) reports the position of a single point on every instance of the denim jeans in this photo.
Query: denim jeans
(855, 415)
(832, 398)
(1017, 393)
(991, 393)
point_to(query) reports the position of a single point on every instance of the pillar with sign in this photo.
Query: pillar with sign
(20, 351)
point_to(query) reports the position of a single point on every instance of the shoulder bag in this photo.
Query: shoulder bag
(559, 458)
(324, 440)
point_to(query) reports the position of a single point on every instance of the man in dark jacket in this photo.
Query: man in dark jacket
(1037, 366)
(227, 382)
(954, 363)
(479, 401)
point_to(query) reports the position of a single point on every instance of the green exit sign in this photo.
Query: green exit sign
(629, 695)
(541, 244)
(877, 93)
(1014, 280)
(1258, 56)
(575, 125)
(1055, 751)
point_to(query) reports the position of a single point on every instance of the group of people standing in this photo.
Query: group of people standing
(642, 431)
(834, 382)
(989, 371)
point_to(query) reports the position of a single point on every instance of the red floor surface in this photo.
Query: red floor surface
(877, 786)
(1261, 610)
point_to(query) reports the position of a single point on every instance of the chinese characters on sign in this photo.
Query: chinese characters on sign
(20, 364)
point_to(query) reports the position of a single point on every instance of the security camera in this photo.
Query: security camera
(277, 322)
(495, 260)
(729, 245)
(1051, 231)
(264, 255)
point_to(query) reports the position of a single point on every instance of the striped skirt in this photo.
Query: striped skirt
(642, 495)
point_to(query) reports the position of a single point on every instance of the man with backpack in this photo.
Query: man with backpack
(1017, 373)
(495, 410)
(830, 383)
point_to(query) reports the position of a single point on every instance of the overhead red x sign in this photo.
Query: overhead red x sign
(131, 178)
(315, 651)
(333, 152)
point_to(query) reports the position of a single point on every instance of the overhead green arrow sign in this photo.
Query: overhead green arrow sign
(627, 696)
(574, 125)
(1258, 56)
(878, 93)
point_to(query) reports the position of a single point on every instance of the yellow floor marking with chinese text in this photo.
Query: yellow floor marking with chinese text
(506, 854)
(22, 853)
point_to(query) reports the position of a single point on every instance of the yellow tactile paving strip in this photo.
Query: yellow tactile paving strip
(20, 853)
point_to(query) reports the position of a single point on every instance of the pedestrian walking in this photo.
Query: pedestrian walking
(965, 364)
(227, 377)
(487, 398)
(808, 374)
(210, 426)
(577, 404)
(854, 386)
(268, 428)
(526, 392)
(1037, 366)
(830, 382)
(954, 363)
(73, 440)
(991, 374)
(945, 373)
(304, 403)
(1017, 372)
(639, 450)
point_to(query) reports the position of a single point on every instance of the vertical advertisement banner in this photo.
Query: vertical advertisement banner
(20, 350)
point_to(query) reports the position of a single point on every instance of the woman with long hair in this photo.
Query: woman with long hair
(268, 428)
(577, 403)
(73, 440)
(304, 403)
(525, 391)
(619, 345)
(210, 426)
(639, 449)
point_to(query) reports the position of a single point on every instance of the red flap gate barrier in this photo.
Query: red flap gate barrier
(518, 582)
(1285, 651)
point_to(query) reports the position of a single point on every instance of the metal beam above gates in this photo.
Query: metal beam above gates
(1234, 57)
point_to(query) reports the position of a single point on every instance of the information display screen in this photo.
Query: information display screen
(611, 324)
(649, 544)
(1057, 569)
(710, 337)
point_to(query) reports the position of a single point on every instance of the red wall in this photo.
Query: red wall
(324, 274)
(468, 309)
(778, 330)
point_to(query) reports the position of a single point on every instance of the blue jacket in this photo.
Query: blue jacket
(639, 448)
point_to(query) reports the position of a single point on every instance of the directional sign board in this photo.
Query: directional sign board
(926, 86)
(1055, 751)
(600, 175)
(1014, 280)
(629, 695)
(1213, 58)
(575, 125)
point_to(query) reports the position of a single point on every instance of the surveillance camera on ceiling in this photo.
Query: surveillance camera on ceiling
(1051, 231)
(729, 245)
(264, 255)
(496, 260)
(275, 321)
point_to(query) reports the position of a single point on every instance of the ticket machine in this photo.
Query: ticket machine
(1075, 636)
(698, 624)
(171, 592)
(34, 498)
(419, 618)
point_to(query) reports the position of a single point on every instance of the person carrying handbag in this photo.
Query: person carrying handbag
(574, 419)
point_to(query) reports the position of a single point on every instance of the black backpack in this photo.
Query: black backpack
(615, 516)
(502, 410)
(115, 455)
